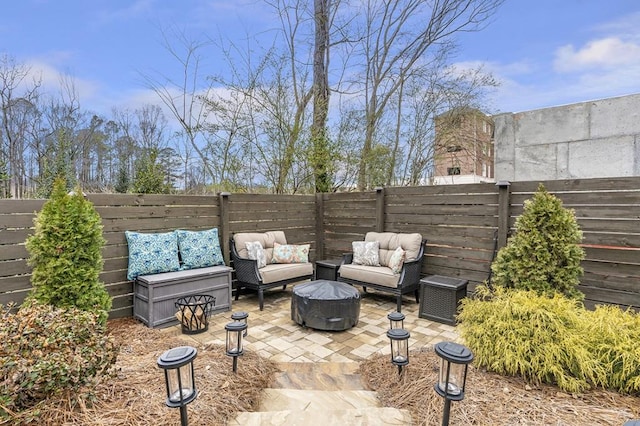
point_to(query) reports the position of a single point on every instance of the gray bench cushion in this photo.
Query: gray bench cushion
(181, 275)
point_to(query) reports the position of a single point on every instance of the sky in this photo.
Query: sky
(542, 52)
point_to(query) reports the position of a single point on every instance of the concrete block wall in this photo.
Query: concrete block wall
(595, 139)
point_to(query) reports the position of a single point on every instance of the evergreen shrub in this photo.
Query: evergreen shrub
(65, 253)
(544, 253)
(47, 350)
(552, 339)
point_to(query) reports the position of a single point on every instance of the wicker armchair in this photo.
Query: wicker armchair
(382, 278)
(250, 276)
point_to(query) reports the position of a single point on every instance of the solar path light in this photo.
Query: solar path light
(235, 333)
(399, 339)
(177, 364)
(452, 374)
(396, 320)
(241, 317)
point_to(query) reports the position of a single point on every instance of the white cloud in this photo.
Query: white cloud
(50, 78)
(604, 53)
(509, 69)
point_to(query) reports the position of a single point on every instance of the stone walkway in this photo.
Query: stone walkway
(318, 369)
(274, 335)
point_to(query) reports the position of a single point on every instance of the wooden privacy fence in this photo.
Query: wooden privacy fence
(464, 224)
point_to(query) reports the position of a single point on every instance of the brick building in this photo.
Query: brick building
(464, 147)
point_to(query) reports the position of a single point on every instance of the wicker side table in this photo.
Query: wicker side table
(327, 269)
(440, 296)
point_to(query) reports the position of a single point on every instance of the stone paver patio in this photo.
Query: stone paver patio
(318, 369)
(274, 335)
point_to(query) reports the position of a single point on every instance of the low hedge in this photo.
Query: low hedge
(553, 340)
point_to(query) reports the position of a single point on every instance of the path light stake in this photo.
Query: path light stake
(396, 320)
(399, 338)
(452, 376)
(241, 317)
(235, 332)
(177, 364)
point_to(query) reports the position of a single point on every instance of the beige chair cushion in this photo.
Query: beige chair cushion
(370, 274)
(284, 271)
(267, 239)
(389, 241)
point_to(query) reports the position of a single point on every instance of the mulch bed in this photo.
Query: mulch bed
(135, 394)
(491, 399)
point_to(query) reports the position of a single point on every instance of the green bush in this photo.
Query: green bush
(46, 351)
(553, 340)
(66, 254)
(544, 253)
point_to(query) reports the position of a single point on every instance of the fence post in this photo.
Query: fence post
(379, 209)
(503, 212)
(319, 226)
(224, 226)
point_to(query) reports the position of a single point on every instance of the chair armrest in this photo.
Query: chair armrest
(410, 273)
(412, 269)
(246, 269)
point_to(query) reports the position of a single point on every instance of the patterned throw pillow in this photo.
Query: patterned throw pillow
(366, 253)
(152, 253)
(396, 260)
(288, 253)
(199, 249)
(256, 252)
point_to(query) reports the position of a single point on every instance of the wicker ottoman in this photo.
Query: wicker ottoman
(325, 305)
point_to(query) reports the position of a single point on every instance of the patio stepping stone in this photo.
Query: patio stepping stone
(305, 394)
(327, 376)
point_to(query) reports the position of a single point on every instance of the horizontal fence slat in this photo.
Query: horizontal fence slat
(460, 223)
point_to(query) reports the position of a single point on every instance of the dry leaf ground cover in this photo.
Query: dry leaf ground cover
(135, 394)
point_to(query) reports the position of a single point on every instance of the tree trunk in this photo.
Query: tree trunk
(320, 161)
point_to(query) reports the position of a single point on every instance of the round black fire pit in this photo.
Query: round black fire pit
(325, 305)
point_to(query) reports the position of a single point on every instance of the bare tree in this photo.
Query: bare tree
(398, 36)
(18, 104)
(184, 97)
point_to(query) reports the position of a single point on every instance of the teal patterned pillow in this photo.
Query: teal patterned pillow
(199, 249)
(152, 253)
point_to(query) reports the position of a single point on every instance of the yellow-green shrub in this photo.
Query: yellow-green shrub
(519, 332)
(614, 340)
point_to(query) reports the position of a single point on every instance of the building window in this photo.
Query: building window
(453, 171)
